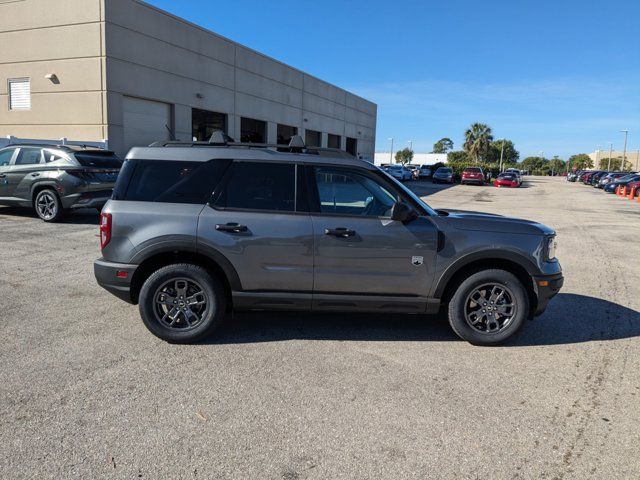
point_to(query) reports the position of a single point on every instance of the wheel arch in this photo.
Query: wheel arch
(521, 267)
(43, 185)
(220, 267)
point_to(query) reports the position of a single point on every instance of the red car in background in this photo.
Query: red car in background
(472, 175)
(635, 185)
(507, 180)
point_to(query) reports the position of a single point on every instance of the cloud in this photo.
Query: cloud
(558, 116)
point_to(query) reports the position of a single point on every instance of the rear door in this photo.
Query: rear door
(259, 221)
(26, 168)
(362, 257)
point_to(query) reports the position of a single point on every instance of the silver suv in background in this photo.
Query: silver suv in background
(194, 231)
(52, 179)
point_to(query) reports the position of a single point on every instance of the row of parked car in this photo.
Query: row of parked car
(607, 181)
(511, 177)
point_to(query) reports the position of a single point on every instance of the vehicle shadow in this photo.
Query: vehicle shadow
(569, 319)
(84, 216)
(572, 318)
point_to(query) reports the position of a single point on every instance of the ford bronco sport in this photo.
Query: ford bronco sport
(194, 231)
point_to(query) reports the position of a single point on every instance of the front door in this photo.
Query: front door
(359, 251)
(25, 166)
(258, 224)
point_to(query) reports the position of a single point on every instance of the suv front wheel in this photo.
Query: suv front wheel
(488, 307)
(182, 303)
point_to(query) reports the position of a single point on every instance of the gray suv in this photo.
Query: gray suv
(52, 179)
(196, 231)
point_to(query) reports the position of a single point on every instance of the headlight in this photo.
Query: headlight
(551, 248)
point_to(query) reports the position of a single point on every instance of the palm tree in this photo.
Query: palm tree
(477, 140)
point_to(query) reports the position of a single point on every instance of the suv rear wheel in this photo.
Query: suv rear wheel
(488, 307)
(48, 206)
(182, 303)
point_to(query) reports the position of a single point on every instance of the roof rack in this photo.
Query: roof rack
(221, 139)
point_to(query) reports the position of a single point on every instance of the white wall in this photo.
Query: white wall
(418, 158)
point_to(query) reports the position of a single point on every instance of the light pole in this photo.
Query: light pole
(597, 154)
(410, 144)
(391, 153)
(610, 153)
(624, 150)
(501, 155)
(637, 158)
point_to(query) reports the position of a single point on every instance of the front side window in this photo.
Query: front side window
(344, 192)
(260, 186)
(28, 156)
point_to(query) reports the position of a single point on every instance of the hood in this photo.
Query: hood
(488, 222)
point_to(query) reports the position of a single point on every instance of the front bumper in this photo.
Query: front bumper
(110, 276)
(547, 287)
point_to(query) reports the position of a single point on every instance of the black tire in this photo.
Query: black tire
(210, 316)
(511, 324)
(48, 206)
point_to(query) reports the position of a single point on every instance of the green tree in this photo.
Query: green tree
(581, 161)
(510, 155)
(458, 156)
(535, 164)
(477, 141)
(443, 145)
(616, 164)
(404, 156)
(557, 166)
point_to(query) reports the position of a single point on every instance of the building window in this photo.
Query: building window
(19, 94)
(334, 141)
(285, 132)
(352, 146)
(312, 138)
(204, 123)
(253, 131)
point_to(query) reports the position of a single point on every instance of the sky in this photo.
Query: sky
(559, 77)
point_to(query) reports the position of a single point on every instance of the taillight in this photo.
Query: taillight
(105, 229)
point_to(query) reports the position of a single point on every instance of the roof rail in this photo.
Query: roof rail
(221, 139)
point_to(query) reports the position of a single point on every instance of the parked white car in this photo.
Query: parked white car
(399, 172)
(424, 171)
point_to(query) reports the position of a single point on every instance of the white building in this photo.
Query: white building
(418, 158)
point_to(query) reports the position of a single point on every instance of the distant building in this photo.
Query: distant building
(418, 158)
(129, 73)
(632, 156)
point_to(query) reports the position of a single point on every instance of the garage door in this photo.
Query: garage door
(145, 122)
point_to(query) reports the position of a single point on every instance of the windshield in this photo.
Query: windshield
(630, 176)
(443, 170)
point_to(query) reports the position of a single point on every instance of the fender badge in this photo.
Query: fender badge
(417, 261)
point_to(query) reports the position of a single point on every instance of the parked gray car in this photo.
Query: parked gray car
(52, 179)
(195, 231)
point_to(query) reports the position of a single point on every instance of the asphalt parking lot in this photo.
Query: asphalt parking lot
(87, 392)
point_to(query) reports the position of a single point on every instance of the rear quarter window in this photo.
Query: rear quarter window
(168, 181)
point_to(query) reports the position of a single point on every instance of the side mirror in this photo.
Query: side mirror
(401, 212)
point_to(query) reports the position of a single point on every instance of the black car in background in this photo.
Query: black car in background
(621, 182)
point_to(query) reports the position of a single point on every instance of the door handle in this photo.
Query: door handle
(231, 227)
(340, 232)
(35, 174)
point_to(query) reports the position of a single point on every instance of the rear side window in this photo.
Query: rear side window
(98, 159)
(260, 186)
(168, 181)
(28, 156)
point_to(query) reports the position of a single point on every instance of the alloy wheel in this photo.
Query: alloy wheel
(490, 308)
(180, 303)
(46, 205)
